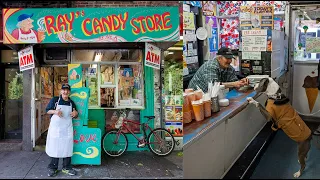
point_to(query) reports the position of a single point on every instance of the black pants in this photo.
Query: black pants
(55, 161)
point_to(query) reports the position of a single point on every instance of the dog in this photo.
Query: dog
(283, 115)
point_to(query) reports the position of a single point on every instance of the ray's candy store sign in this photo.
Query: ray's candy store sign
(85, 25)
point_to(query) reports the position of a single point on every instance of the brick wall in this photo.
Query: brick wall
(64, 4)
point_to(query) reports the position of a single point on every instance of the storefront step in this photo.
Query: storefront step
(10, 145)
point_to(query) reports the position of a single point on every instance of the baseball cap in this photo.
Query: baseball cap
(225, 52)
(65, 86)
(24, 16)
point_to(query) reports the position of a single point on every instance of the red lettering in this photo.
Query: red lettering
(29, 59)
(157, 59)
(152, 27)
(61, 23)
(69, 21)
(157, 21)
(96, 26)
(140, 20)
(92, 138)
(84, 28)
(49, 22)
(116, 20)
(165, 21)
(148, 56)
(152, 57)
(106, 22)
(21, 61)
(82, 138)
(136, 29)
(123, 20)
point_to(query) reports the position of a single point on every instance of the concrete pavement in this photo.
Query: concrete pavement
(131, 165)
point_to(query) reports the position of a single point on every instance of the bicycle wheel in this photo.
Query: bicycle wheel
(161, 142)
(114, 145)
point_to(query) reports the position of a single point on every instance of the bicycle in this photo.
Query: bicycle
(120, 141)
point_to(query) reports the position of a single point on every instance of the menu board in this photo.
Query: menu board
(256, 17)
(254, 43)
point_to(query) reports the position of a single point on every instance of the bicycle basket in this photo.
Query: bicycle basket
(119, 122)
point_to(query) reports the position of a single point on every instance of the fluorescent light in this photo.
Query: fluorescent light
(93, 66)
(181, 37)
(170, 53)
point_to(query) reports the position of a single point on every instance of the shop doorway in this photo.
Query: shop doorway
(11, 98)
(48, 83)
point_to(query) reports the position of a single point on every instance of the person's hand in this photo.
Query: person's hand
(245, 81)
(74, 113)
(252, 101)
(238, 84)
(58, 112)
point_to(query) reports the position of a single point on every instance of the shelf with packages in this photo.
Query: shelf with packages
(229, 131)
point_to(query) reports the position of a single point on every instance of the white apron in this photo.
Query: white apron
(28, 38)
(60, 134)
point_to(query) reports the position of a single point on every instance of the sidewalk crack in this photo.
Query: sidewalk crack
(33, 165)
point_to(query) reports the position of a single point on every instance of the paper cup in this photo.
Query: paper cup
(186, 103)
(198, 94)
(198, 111)
(191, 97)
(187, 117)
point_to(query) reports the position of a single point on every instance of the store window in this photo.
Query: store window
(9, 56)
(115, 77)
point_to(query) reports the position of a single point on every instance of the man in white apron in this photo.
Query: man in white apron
(60, 133)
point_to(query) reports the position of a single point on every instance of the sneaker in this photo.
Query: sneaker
(70, 172)
(52, 172)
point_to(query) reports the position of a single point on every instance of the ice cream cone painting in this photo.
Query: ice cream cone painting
(305, 28)
(311, 89)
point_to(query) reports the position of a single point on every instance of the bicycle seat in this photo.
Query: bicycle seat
(149, 117)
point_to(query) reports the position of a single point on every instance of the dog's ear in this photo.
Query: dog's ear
(263, 84)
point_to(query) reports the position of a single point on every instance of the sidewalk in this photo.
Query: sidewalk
(135, 165)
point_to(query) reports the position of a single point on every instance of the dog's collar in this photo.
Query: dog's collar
(275, 96)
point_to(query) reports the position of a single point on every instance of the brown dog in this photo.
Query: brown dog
(284, 116)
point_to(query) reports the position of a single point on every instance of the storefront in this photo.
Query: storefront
(96, 50)
(217, 133)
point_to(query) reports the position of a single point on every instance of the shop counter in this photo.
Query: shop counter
(212, 146)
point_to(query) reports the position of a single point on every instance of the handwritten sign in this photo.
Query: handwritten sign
(254, 32)
(254, 43)
(26, 58)
(87, 146)
(91, 25)
(251, 55)
(313, 45)
(152, 56)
